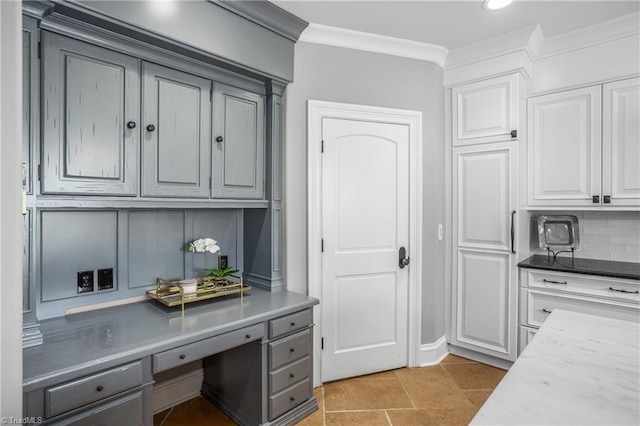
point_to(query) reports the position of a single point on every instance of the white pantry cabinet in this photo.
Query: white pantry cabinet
(484, 271)
(485, 111)
(584, 147)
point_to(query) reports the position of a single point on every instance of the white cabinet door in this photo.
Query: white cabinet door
(565, 148)
(486, 111)
(621, 143)
(484, 272)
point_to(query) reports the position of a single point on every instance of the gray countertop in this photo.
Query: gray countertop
(96, 340)
(579, 369)
(605, 268)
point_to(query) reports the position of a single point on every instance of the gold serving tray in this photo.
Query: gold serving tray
(170, 293)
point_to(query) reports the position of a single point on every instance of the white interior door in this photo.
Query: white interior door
(365, 221)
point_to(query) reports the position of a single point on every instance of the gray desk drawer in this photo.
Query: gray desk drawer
(289, 349)
(125, 411)
(203, 348)
(289, 375)
(289, 398)
(62, 398)
(281, 326)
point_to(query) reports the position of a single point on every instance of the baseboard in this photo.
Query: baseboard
(480, 357)
(433, 353)
(177, 390)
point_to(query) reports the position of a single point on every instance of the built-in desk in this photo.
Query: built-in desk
(97, 367)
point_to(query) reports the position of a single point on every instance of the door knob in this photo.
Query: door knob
(404, 260)
(131, 125)
(151, 127)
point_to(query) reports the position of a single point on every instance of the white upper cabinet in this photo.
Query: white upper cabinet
(584, 147)
(485, 111)
(621, 143)
(564, 148)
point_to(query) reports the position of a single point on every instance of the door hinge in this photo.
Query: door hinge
(39, 50)
(322, 343)
(322, 147)
(39, 172)
(322, 245)
(209, 182)
(211, 95)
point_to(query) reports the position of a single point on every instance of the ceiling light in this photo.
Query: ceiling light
(496, 4)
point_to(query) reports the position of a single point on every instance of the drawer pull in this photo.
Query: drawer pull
(624, 291)
(292, 375)
(554, 282)
(100, 388)
(292, 350)
(248, 336)
(182, 356)
(292, 399)
(546, 311)
(293, 324)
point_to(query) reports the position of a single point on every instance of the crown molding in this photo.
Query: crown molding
(350, 39)
(526, 40)
(604, 32)
(268, 15)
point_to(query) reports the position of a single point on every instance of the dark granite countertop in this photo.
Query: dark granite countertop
(605, 268)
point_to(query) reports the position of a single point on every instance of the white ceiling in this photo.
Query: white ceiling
(455, 23)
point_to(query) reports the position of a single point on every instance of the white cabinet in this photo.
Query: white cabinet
(543, 291)
(584, 147)
(484, 271)
(621, 142)
(485, 111)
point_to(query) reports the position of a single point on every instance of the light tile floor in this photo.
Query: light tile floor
(447, 394)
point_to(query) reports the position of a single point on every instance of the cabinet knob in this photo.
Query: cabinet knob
(248, 336)
(595, 199)
(131, 125)
(151, 127)
(293, 324)
(292, 350)
(292, 375)
(292, 399)
(607, 199)
(514, 133)
(182, 356)
(100, 388)
(219, 139)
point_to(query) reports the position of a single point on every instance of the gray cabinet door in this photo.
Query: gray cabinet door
(176, 133)
(238, 146)
(90, 96)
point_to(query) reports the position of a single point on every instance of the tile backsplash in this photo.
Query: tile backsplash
(604, 235)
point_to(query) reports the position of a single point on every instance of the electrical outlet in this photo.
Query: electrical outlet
(105, 279)
(85, 281)
(224, 262)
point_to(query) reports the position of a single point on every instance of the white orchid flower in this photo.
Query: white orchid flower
(210, 245)
(198, 245)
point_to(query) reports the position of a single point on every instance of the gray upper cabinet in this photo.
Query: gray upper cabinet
(238, 146)
(91, 108)
(176, 134)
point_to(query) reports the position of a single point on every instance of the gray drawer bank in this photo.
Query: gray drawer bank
(97, 367)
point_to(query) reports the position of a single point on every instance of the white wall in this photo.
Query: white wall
(10, 217)
(344, 75)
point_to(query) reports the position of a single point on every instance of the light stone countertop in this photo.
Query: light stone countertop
(579, 369)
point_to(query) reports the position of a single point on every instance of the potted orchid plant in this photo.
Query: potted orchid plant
(217, 276)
